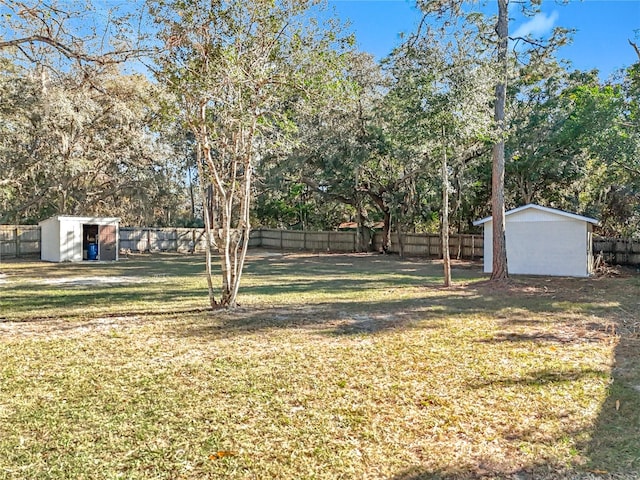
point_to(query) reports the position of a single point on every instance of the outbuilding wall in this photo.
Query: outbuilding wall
(50, 240)
(542, 243)
(70, 240)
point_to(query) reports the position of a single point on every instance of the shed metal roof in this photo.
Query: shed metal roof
(90, 220)
(554, 211)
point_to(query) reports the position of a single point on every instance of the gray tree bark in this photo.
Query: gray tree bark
(499, 269)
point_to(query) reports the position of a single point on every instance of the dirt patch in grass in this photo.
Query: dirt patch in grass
(60, 328)
(92, 281)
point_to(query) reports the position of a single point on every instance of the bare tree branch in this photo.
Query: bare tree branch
(108, 58)
(636, 48)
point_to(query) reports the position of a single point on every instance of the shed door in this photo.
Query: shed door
(107, 242)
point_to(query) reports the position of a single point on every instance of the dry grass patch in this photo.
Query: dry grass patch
(335, 367)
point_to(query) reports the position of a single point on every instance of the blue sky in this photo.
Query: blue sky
(600, 42)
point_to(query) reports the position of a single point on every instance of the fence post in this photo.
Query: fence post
(16, 233)
(627, 250)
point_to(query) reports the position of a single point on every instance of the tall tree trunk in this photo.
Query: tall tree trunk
(446, 259)
(363, 236)
(386, 212)
(386, 231)
(244, 230)
(500, 270)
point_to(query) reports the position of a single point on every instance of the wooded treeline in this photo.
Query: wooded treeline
(368, 154)
(238, 114)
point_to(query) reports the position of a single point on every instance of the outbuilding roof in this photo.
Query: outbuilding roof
(554, 211)
(93, 220)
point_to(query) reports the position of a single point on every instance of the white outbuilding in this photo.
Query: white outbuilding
(66, 238)
(543, 241)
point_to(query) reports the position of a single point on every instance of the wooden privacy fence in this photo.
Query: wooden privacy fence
(160, 239)
(143, 239)
(430, 245)
(19, 240)
(414, 244)
(140, 239)
(304, 240)
(24, 240)
(617, 251)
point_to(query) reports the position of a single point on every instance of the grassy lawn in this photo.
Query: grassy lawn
(334, 367)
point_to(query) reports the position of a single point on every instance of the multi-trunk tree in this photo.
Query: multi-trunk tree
(238, 69)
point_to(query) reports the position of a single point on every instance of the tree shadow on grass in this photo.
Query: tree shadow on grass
(611, 454)
(370, 317)
(537, 471)
(376, 316)
(612, 448)
(320, 318)
(615, 443)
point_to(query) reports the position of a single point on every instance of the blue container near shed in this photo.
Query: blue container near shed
(92, 252)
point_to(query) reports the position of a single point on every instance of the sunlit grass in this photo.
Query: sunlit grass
(333, 367)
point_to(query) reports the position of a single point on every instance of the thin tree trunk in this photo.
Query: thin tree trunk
(192, 194)
(363, 237)
(244, 233)
(362, 244)
(446, 259)
(206, 214)
(225, 252)
(400, 239)
(500, 270)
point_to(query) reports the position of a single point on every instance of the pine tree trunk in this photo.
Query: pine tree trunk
(499, 268)
(446, 258)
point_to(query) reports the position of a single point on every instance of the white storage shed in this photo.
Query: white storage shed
(66, 238)
(543, 241)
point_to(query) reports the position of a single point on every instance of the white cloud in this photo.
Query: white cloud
(538, 26)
